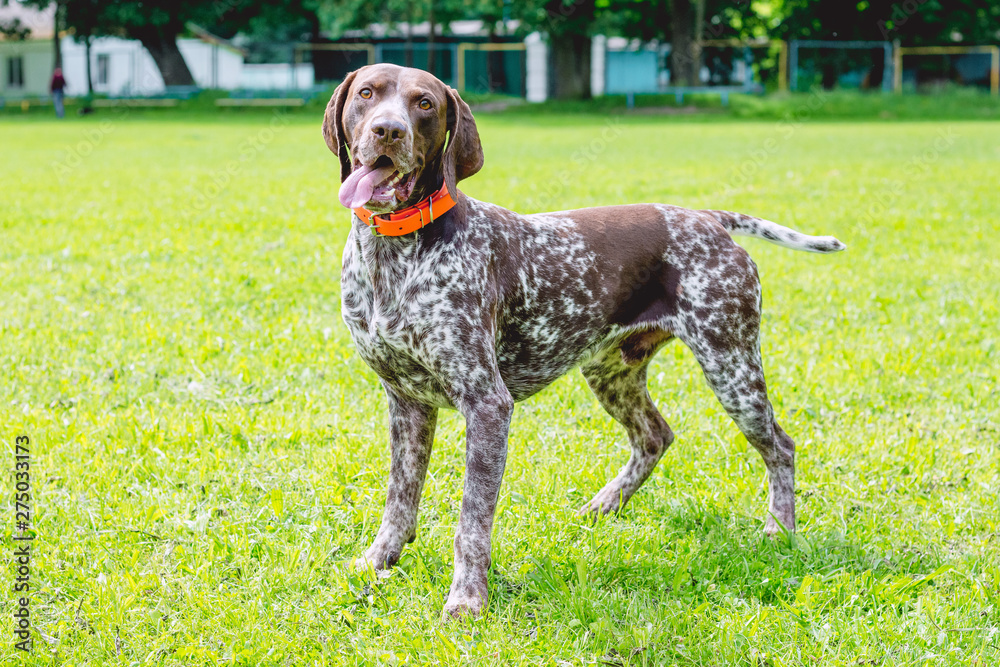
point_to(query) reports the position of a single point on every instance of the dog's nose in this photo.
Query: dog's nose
(388, 129)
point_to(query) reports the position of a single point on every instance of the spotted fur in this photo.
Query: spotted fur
(486, 307)
(738, 224)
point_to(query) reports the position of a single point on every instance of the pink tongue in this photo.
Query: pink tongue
(358, 188)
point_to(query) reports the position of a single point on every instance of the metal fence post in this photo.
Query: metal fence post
(782, 65)
(995, 71)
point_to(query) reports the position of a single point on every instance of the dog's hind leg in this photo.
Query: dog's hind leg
(617, 376)
(737, 378)
(727, 345)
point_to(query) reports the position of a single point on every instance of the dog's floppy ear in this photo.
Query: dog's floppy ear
(463, 156)
(333, 125)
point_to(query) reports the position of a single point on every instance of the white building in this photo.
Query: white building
(119, 67)
(26, 65)
(123, 67)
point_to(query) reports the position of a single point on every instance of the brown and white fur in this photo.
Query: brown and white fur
(486, 307)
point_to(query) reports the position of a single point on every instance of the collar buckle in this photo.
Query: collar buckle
(408, 220)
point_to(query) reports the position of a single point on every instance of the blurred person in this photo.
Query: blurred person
(57, 86)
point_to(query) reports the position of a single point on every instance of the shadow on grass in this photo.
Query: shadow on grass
(700, 556)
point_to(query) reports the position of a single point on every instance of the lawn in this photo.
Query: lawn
(208, 452)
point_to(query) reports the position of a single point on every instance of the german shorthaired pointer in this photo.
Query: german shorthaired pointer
(461, 304)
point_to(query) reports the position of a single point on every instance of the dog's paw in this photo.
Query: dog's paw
(607, 501)
(773, 528)
(366, 569)
(375, 560)
(460, 608)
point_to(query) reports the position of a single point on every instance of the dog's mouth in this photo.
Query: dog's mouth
(379, 183)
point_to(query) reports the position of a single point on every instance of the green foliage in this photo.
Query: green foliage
(123, 17)
(209, 451)
(359, 14)
(912, 22)
(958, 104)
(14, 30)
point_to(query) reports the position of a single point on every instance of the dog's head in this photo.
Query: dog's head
(399, 132)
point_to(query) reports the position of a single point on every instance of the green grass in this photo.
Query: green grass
(948, 104)
(209, 451)
(964, 104)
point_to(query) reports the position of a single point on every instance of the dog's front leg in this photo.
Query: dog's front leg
(411, 435)
(487, 420)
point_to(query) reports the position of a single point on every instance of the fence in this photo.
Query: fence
(842, 70)
(993, 52)
(733, 64)
(492, 67)
(736, 64)
(332, 62)
(801, 64)
(467, 66)
(122, 68)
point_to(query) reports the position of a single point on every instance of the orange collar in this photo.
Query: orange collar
(409, 219)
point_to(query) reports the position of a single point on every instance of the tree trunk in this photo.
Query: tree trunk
(162, 46)
(570, 66)
(698, 29)
(685, 53)
(90, 78)
(315, 29)
(56, 45)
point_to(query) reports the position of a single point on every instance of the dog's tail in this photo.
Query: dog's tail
(738, 224)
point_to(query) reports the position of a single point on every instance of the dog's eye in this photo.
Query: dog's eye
(425, 104)
(366, 93)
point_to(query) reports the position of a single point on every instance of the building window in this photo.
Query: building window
(15, 72)
(103, 69)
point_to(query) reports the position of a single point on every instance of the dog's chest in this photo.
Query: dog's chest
(391, 303)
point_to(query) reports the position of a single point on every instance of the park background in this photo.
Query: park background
(209, 452)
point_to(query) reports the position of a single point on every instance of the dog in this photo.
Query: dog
(457, 303)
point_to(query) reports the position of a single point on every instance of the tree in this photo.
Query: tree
(687, 16)
(14, 30)
(360, 14)
(685, 24)
(569, 24)
(58, 21)
(85, 16)
(913, 22)
(155, 23)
